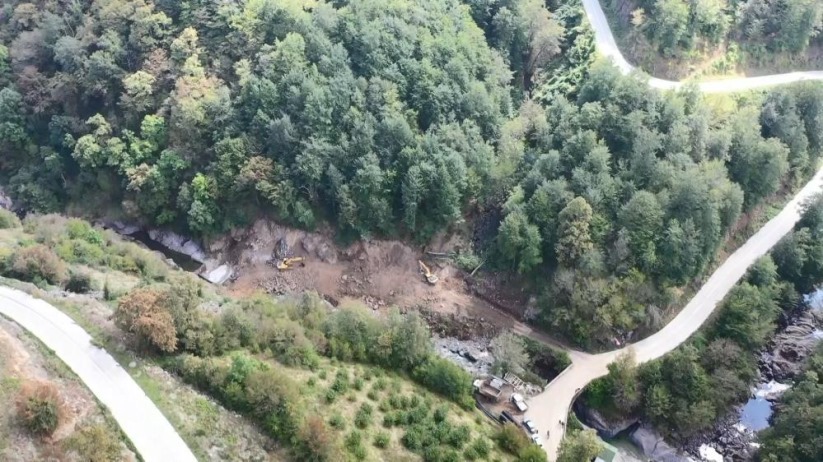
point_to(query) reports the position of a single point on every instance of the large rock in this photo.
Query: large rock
(218, 275)
(788, 350)
(606, 428)
(178, 243)
(654, 447)
(123, 228)
(5, 201)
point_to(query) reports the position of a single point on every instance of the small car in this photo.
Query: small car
(536, 440)
(529, 425)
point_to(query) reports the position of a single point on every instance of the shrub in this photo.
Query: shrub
(80, 251)
(341, 382)
(363, 418)
(511, 439)
(38, 264)
(384, 406)
(382, 439)
(144, 311)
(380, 384)
(354, 440)
(441, 413)
(457, 436)
(39, 408)
(8, 220)
(390, 419)
(95, 443)
(311, 382)
(481, 447)
(358, 384)
(448, 379)
(532, 453)
(79, 282)
(79, 229)
(337, 421)
(372, 395)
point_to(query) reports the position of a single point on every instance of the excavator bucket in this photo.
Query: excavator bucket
(430, 277)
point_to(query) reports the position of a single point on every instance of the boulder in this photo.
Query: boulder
(5, 201)
(123, 228)
(785, 356)
(607, 429)
(218, 275)
(178, 243)
(654, 447)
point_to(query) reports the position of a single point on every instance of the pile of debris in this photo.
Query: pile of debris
(461, 327)
(471, 355)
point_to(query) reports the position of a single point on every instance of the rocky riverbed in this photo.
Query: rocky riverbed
(734, 437)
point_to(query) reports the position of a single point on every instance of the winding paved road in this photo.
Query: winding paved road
(152, 435)
(607, 46)
(551, 407)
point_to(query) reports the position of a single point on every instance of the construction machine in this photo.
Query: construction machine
(430, 277)
(289, 263)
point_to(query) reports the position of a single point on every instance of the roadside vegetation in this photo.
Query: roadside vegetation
(684, 392)
(354, 114)
(320, 382)
(45, 411)
(726, 33)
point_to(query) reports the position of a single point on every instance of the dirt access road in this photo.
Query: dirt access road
(608, 47)
(152, 435)
(552, 406)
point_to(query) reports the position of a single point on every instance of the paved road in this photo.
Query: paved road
(149, 431)
(608, 47)
(550, 407)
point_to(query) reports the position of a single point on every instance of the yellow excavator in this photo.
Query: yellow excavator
(430, 277)
(289, 263)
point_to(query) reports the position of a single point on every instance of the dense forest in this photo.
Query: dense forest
(685, 392)
(679, 27)
(396, 119)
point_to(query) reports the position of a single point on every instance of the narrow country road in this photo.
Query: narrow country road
(152, 435)
(607, 46)
(549, 410)
(551, 406)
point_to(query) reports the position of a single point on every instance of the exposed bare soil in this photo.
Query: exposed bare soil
(379, 273)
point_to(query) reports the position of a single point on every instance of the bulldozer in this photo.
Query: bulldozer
(430, 277)
(289, 263)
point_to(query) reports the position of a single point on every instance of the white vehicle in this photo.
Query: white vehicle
(529, 425)
(536, 440)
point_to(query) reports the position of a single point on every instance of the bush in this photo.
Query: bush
(79, 282)
(448, 379)
(337, 421)
(532, 453)
(38, 264)
(145, 312)
(8, 220)
(372, 395)
(382, 440)
(358, 384)
(96, 443)
(511, 439)
(39, 408)
(354, 440)
(480, 447)
(363, 418)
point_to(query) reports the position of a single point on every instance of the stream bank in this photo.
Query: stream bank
(734, 436)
